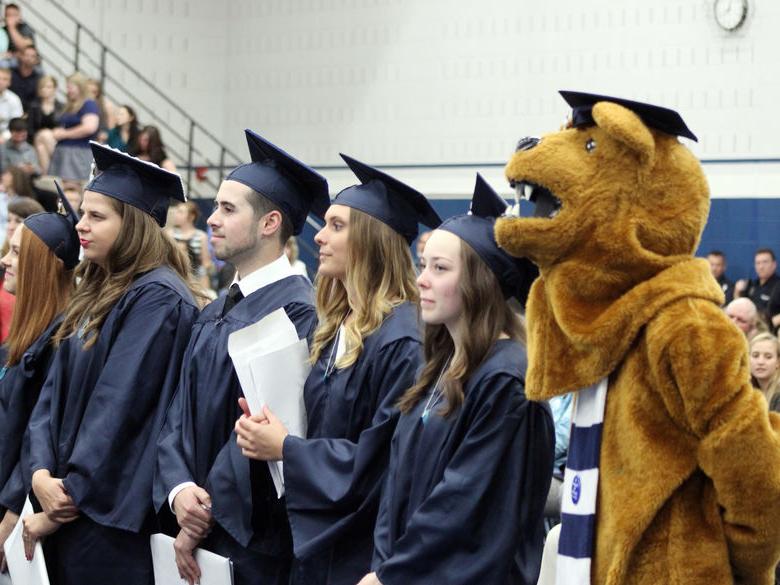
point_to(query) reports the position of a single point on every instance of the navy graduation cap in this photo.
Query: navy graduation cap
(388, 200)
(515, 275)
(657, 117)
(295, 187)
(58, 231)
(134, 181)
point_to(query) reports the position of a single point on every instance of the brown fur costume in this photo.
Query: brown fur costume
(689, 481)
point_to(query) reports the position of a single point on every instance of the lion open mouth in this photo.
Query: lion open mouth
(546, 204)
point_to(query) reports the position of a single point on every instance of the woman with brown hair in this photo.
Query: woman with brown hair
(69, 142)
(39, 271)
(471, 458)
(365, 353)
(149, 146)
(93, 432)
(17, 183)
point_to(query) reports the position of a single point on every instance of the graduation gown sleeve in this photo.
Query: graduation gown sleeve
(331, 481)
(174, 453)
(467, 529)
(14, 492)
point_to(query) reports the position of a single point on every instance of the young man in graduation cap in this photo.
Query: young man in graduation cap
(215, 492)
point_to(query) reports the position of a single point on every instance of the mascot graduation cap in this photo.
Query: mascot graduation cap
(673, 474)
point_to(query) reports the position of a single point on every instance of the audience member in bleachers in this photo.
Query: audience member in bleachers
(107, 109)
(765, 367)
(10, 104)
(192, 240)
(744, 315)
(19, 33)
(149, 146)
(25, 76)
(17, 183)
(19, 209)
(420, 246)
(292, 252)
(74, 193)
(764, 290)
(72, 157)
(717, 260)
(17, 151)
(124, 135)
(44, 114)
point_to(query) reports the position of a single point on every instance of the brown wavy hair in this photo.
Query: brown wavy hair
(43, 288)
(486, 315)
(140, 246)
(380, 274)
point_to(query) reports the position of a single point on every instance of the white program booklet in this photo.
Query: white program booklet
(214, 569)
(22, 571)
(272, 365)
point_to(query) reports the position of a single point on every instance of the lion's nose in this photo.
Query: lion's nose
(527, 143)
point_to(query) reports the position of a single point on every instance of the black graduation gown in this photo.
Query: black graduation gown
(199, 445)
(20, 386)
(464, 495)
(96, 425)
(334, 477)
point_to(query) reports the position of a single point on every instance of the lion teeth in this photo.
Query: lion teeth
(555, 212)
(528, 190)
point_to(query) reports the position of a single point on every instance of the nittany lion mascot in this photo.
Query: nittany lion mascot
(673, 474)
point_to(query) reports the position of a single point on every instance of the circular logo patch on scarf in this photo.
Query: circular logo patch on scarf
(576, 489)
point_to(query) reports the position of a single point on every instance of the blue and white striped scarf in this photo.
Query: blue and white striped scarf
(580, 487)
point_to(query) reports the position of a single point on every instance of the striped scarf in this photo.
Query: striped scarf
(580, 487)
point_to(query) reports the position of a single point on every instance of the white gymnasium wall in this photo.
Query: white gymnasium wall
(452, 81)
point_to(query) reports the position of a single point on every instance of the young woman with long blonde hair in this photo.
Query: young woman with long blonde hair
(765, 367)
(93, 432)
(365, 354)
(68, 144)
(471, 458)
(39, 265)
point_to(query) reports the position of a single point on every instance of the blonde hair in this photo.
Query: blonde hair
(380, 276)
(43, 287)
(485, 316)
(773, 387)
(80, 81)
(140, 246)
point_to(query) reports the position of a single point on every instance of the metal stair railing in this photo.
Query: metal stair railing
(195, 149)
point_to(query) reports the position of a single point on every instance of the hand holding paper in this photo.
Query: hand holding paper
(206, 568)
(261, 438)
(272, 365)
(22, 569)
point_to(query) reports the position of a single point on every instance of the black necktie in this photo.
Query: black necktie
(234, 297)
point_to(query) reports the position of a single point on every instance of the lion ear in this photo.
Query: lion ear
(627, 128)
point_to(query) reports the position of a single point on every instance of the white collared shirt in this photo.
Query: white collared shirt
(268, 274)
(252, 282)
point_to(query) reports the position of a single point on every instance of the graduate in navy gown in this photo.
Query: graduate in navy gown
(93, 431)
(39, 265)
(202, 475)
(365, 355)
(471, 458)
